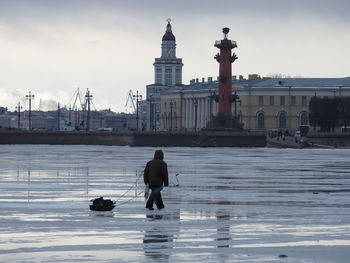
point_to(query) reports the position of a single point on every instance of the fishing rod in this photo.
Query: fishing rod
(132, 187)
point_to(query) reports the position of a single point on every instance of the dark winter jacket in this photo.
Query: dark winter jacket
(156, 171)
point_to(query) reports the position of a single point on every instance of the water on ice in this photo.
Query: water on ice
(231, 205)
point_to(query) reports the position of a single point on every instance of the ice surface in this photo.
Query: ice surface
(232, 205)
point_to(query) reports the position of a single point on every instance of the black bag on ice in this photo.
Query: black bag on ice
(100, 204)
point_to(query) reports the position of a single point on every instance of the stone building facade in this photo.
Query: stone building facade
(167, 74)
(264, 104)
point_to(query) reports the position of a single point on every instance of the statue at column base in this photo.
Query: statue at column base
(225, 122)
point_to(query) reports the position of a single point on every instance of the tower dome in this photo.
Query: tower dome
(168, 68)
(168, 36)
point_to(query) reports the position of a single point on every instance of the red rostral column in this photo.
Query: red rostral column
(225, 72)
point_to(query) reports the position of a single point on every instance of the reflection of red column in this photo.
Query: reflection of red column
(225, 72)
(223, 230)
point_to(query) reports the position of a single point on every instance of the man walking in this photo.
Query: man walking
(156, 175)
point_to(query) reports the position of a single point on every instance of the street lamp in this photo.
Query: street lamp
(58, 116)
(76, 118)
(152, 113)
(30, 97)
(88, 99)
(70, 116)
(18, 108)
(235, 99)
(137, 96)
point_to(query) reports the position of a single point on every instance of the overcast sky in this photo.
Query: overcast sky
(108, 47)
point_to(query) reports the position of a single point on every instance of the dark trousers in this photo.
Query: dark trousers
(155, 197)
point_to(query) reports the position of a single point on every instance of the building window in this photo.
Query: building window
(282, 120)
(261, 120)
(282, 100)
(303, 101)
(261, 100)
(304, 118)
(168, 76)
(158, 75)
(272, 100)
(178, 76)
(164, 105)
(293, 101)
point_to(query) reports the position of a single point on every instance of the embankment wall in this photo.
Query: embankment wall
(330, 139)
(202, 139)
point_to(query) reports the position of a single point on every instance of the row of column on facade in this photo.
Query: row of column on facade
(196, 113)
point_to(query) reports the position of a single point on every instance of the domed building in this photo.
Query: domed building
(167, 74)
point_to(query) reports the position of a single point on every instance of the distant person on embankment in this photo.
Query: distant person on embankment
(155, 176)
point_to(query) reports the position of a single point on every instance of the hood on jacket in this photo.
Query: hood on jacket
(158, 155)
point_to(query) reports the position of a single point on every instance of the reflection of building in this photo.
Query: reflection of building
(269, 103)
(158, 240)
(167, 73)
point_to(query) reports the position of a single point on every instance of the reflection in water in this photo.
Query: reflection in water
(102, 213)
(35, 184)
(266, 209)
(223, 230)
(87, 182)
(28, 184)
(159, 237)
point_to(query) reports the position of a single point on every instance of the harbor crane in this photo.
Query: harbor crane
(78, 101)
(131, 99)
(76, 98)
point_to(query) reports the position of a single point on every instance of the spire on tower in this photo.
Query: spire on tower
(168, 36)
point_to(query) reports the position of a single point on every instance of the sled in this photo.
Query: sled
(100, 204)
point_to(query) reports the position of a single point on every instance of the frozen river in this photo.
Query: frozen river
(231, 205)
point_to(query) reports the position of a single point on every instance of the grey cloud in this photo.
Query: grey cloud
(264, 29)
(48, 104)
(53, 10)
